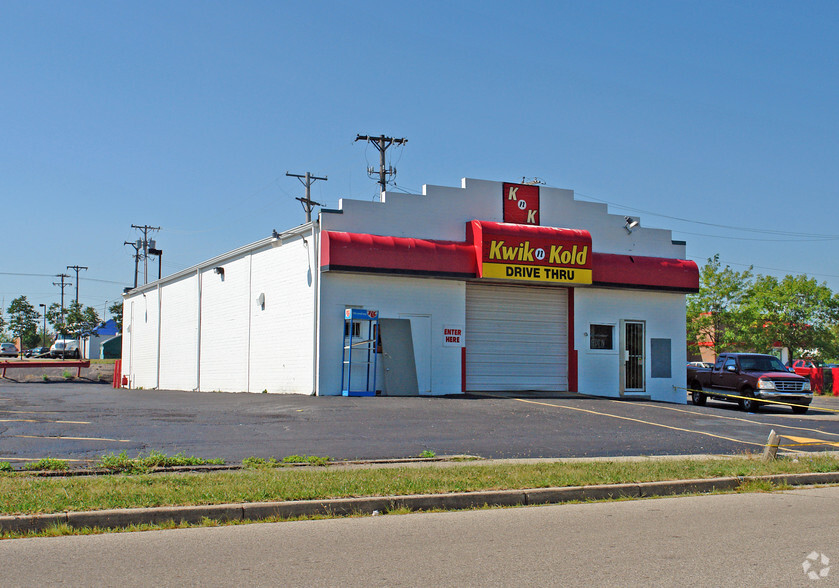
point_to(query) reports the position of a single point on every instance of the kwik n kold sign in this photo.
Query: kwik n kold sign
(538, 254)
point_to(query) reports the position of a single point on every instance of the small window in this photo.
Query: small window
(602, 337)
(356, 329)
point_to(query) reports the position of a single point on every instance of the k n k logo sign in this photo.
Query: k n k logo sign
(521, 204)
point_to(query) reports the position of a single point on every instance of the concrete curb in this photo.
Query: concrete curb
(254, 511)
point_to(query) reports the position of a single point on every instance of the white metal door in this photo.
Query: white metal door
(421, 334)
(516, 338)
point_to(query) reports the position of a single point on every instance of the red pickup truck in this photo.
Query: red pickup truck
(751, 376)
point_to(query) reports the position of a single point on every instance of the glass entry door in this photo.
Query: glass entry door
(633, 356)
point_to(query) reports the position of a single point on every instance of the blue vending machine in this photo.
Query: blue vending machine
(358, 368)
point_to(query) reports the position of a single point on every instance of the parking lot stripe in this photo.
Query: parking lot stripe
(808, 441)
(37, 421)
(36, 459)
(72, 438)
(741, 419)
(643, 422)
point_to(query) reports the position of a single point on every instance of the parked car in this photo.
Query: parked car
(37, 352)
(701, 364)
(752, 377)
(8, 350)
(65, 348)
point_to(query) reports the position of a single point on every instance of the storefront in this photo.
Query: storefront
(487, 287)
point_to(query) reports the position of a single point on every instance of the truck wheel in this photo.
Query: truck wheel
(749, 404)
(697, 396)
(799, 409)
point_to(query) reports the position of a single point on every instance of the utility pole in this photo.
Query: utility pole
(381, 143)
(63, 285)
(308, 204)
(146, 244)
(77, 268)
(137, 245)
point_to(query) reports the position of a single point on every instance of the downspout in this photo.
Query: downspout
(159, 328)
(250, 316)
(316, 302)
(198, 336)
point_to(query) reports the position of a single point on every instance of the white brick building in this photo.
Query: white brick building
(543, 291)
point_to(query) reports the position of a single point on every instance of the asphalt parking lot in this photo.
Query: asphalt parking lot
(81, 421)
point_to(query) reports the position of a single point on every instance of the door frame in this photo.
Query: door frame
(624, 356)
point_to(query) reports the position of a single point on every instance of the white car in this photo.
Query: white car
(8, 350)
(65, 348)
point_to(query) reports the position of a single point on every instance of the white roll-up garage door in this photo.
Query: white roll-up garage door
(516, 338)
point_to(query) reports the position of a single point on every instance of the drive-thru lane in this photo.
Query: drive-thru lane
(84, 421)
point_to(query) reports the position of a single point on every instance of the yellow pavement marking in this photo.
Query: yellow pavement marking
(37, 421)
(741, 419)
(808, 441)
(72, 438)
(624, 418)
(34, 459)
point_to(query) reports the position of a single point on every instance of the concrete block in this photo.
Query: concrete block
(118, 518)
(26, 523)
(666, 488)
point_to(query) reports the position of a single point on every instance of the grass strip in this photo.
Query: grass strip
(21, 493)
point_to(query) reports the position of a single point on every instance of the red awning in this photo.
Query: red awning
(365, 253)
(660, 273)
(404, 255)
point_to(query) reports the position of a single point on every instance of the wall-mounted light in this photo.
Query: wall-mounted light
(631, 223)
(219, 270)
(276, 241)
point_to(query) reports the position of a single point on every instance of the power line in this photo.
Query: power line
(687, 220)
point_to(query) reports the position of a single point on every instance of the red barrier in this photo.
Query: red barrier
(817, 380)
(4, 365)
(115, 382)
(835, 372)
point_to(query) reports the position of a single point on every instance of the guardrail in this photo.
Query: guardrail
(79, 364)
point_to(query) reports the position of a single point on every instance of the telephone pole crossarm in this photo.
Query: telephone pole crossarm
(382, 143)
(307, 180)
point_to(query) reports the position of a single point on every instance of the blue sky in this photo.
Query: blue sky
(717, 120)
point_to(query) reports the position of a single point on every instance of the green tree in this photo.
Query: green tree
(54, 318)
(719, 313)
(23, 321)
(116, 313)
(79, 321)
(797, 312)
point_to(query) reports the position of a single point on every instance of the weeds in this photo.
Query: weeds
(47, 464)
(155, 459)
(428, 453)
(68, 375)
(272, 462)
(5, 466)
